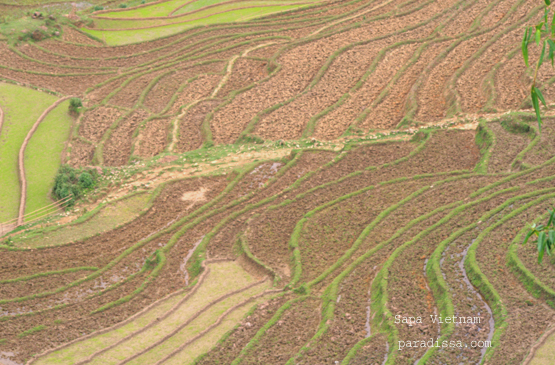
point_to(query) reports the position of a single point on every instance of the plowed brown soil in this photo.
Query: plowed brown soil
(285, 338)
(81, 153)
(507, 146)
(245, 72)
(190, 136)
(153, 138)
(117, 148)
(95, 123)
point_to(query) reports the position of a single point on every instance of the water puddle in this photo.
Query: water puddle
(265, 173)
(367, 324)
(386, 353)
(183, 266)
(475, 292)
(435, 308)
(5, 358)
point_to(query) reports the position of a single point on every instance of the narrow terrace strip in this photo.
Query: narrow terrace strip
(21, 160)
(189, 320)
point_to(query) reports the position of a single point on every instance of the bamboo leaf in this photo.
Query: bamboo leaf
(547, 2)
(536, 104)
(551, 49)
(550, 241)
(540, 96)
(538, 36)
(540, 61)
(541, 246)
(528, 236)
(525, 47)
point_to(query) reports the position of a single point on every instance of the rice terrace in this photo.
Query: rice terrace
(313, 182)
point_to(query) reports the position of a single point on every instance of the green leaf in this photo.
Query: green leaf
(540, 96)
(530, 233)
(541, 246)
(551, 217)
(538, 36)
(540, 61)
(551, 49)
(536, 104)
(525, 47)
(553, 25)
(547, 2)
(550, 241)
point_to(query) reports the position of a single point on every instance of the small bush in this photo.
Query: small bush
(98, 7)
(122, 6)
(71, 183)
(86, 180)
(75, 104)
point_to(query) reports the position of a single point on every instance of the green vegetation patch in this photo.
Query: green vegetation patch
(70, 183)
(22, 107)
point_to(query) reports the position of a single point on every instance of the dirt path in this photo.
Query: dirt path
(21, 160)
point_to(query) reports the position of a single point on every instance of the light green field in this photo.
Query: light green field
(108, 218)
(120, 37)
(202, 3)
(546, 353)
(162, 9)
(22, 107)
(224, 8)
(43, 156)
(223, 278)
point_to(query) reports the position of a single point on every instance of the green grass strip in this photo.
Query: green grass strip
(353, 351)
(48, 273)
(30, 331)
(511, 177)
(486, 140)
(261, 332)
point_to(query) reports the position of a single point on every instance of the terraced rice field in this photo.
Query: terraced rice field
(423, 166)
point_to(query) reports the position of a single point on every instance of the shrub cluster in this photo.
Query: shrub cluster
(75, 104)
(73, 182)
